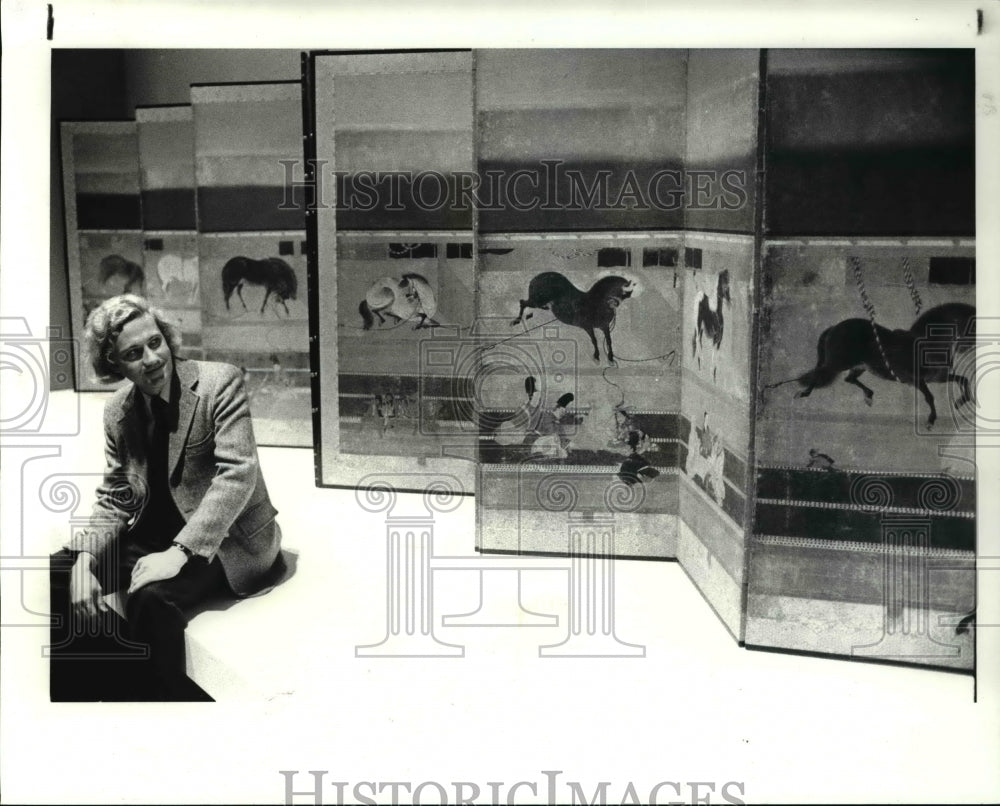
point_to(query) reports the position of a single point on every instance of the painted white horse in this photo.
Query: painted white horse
(181, 273)
(405, 298)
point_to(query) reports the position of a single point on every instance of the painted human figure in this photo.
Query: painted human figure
(636, 468)
(555, 429)
(520, 429)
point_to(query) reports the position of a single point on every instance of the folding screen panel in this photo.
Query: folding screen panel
(863, 533)
(252, 248)
(395, 276)
(170, 238)
(715, 416)
(103, 220)
(580, 298)
(723, 88)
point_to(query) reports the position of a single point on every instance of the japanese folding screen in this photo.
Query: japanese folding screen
(395, 269)
(252, 248)
(103, 220)
(638, 314)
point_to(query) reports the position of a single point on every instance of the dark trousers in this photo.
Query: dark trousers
(141, 657)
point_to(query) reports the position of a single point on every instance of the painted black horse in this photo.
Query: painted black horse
(591, 310)
(924, 353)
(272, 273)
(132, 273)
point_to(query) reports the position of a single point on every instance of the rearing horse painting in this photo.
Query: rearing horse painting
(591, 310)
(276, 277)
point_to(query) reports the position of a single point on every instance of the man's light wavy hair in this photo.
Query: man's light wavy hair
(105, 324)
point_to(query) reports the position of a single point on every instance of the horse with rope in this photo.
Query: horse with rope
(905, 356)
(590, 310)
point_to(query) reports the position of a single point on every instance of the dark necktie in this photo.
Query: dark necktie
(160, 438)
(161, 519)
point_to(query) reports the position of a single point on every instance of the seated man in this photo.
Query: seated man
(182, 514)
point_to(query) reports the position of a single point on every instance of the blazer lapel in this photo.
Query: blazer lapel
(187, 375)
(132, 432)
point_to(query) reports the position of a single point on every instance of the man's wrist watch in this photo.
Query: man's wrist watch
(187, 552)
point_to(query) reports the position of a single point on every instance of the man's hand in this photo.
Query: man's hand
(155, 567)
(85, 594)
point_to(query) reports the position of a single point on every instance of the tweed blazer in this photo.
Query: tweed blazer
(213, 470)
